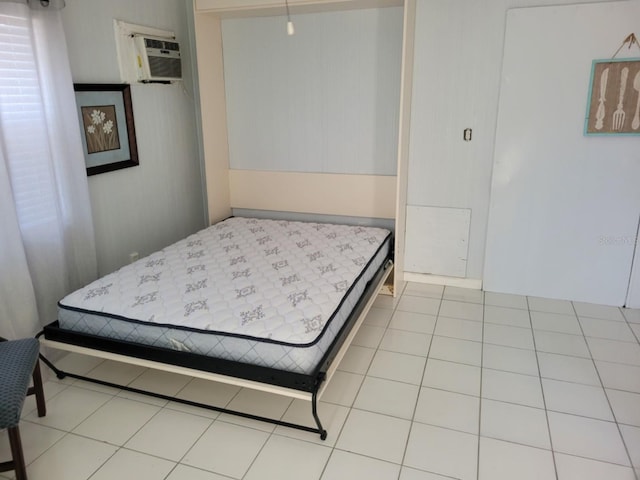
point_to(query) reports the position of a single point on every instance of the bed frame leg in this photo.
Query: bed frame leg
(59, 373)
(314, 410)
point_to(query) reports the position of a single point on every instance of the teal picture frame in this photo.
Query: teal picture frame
(613, 106)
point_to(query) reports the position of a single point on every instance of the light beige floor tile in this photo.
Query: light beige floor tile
(508, 336)
(517, 360)
(454, 377)
(512, 317)
(555, 322)
(129, 465)
(116, 421)
(631, 436)
(170, 434)
(507, 461)
(379, 317)
(344, 465)
(36, 439)
(619, 376)
(586, 437)
(218, 449)
(467, 295)
(386, 301)
(458, 328)
(550, 305)
(387, 397)
(424, 290)
(608, 329)
(614, 351)
(456, 350)
(300, 457)
(512, 388)
(343, 388)
(632, 315)
(561, 343)
(368, 336)
(398, 367)
(505, 300)
(70, 407)
(413, 322)
(374, 435)
(55, 464)
(448, 410)
(412, 474)
(442, 451)
(462, 310)
(426, 305)
(585, 400)
(569, 369)
(183, 472)
(259, 403)
(402, 341)
(576, 468)
(515, 423)
(626, 406)
(598, 311)
(463, 294)
(51, 389)
(357, 359)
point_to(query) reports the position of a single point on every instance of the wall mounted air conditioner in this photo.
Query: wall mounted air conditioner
(158, 59)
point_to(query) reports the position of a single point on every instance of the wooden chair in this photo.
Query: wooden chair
(18, 364)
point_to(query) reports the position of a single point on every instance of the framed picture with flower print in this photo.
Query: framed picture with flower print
(106, 125)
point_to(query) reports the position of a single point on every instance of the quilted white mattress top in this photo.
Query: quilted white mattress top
(268, 279)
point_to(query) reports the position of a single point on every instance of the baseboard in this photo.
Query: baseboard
(473, 283)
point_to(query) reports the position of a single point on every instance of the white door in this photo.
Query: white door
(564, 207)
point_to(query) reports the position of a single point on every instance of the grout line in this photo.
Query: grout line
(480, 393)
(420, 386)
(544, 399)
(364, 376)
(633, 332)
(613, 413)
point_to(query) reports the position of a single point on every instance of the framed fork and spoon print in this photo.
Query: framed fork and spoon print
(614, 98)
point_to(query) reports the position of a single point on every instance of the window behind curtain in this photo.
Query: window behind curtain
(23, 133)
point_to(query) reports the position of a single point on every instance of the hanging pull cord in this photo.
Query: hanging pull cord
(631, 40)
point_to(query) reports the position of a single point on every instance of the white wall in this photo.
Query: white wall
(147, 207)
(458, 60)
(324, 100)
(564, 206)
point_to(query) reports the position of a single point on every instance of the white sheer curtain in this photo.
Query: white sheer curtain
(47, 245)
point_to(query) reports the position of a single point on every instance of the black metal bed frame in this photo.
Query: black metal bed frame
(309, 383)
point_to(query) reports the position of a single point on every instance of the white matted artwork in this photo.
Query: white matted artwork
(437, 240)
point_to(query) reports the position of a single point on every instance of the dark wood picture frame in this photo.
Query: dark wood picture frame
(107, 127)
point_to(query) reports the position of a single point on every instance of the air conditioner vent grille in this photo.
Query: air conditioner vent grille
(165, 67)
(158, 59)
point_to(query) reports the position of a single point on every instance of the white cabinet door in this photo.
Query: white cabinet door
(564, 206)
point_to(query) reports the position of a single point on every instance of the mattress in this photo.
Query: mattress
(264, 292)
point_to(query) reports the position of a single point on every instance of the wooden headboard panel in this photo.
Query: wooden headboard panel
(372, 196)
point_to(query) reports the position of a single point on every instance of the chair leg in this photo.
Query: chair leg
(39, 390)
(16, 452)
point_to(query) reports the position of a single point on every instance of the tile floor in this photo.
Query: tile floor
(439, 384)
